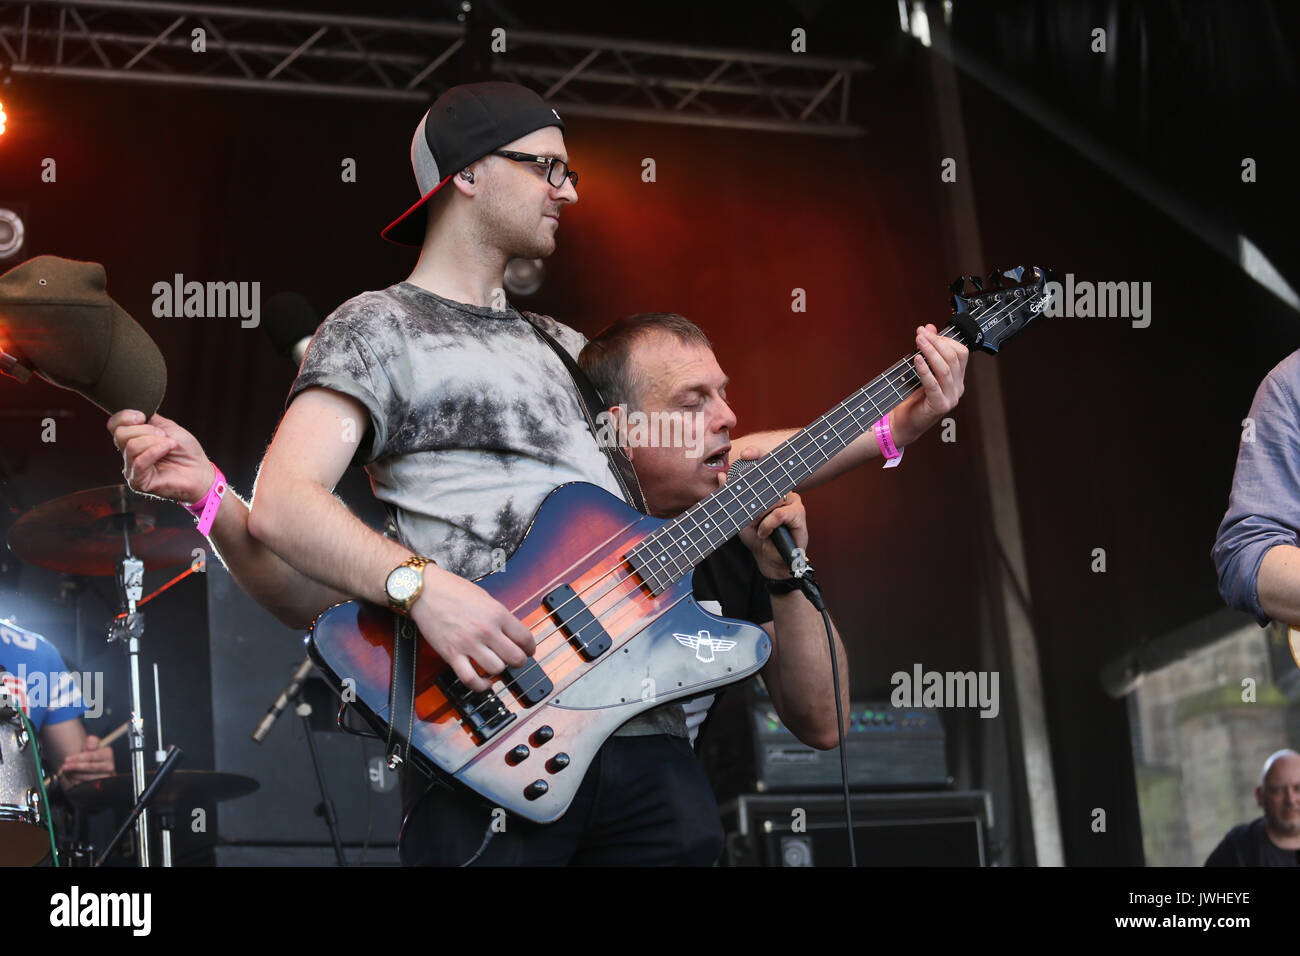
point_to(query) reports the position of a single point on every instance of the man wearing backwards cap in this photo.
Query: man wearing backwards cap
(465, 421)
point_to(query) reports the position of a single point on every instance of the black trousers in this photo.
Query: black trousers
(644, 802)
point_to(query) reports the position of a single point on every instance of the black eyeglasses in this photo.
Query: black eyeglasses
(557, 170)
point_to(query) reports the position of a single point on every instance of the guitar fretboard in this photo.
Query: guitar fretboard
(681, 544)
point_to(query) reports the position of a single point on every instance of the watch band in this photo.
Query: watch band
(418, 563)
(782, 585)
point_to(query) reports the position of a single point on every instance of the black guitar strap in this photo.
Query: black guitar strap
(593, 404)
(401, 692)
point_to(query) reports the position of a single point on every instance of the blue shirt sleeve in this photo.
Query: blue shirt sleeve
(1264, 507)
(63, 696)
(52, 695)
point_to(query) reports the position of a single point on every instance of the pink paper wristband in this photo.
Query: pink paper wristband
(885, 439)
(205, 509)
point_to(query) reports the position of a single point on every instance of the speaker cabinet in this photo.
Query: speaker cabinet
(895, 829)
(252, 658)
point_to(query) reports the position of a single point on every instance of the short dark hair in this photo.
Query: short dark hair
(605, 358)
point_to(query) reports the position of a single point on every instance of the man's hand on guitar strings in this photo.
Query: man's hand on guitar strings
(941, 367)
(465, 626)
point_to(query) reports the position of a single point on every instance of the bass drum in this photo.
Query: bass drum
(24, 841)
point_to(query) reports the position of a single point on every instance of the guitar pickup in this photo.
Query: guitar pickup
(482, 711)
(576, 620)
(528, 682)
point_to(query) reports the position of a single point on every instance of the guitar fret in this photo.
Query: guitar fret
(808, 468)
(775, 492)
(890, 383)
(788, 477)
(680, 545)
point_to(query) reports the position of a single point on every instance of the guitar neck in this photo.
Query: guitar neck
(679, 546)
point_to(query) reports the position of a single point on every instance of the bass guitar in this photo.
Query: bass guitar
(606, 592)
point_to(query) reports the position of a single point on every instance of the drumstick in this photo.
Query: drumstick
(104, 742)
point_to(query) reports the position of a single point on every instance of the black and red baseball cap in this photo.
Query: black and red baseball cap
(464, 124)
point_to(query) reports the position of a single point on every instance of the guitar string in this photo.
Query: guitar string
(993, 312)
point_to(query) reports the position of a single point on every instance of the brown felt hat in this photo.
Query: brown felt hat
(57, 319)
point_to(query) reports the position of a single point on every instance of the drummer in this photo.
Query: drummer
(36, 675)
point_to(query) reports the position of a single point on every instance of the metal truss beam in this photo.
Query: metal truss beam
(369, 57)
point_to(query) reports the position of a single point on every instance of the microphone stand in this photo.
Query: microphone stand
(293, 692)
(326, 804)
(137, 814)
(130, 581)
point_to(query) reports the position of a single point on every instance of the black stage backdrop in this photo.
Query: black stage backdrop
(1121, 438)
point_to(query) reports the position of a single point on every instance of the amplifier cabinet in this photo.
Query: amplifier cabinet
(891, 829)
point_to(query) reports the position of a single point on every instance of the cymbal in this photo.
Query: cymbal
(184, 790)
(81, 533)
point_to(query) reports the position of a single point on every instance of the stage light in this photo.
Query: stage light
(920, 23)
(2, 119)
(11, 233)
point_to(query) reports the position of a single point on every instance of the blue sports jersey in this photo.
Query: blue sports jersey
(36, 668)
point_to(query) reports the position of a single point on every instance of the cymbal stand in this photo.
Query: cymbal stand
(128, 629)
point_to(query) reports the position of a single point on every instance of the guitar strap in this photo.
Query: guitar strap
(401, 692)
(593, 405)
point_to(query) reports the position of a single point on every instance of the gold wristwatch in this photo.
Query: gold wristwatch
(404, 583)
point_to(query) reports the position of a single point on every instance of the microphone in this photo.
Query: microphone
(784, 541)
(290, 691)
(290, 321)
(793, 556)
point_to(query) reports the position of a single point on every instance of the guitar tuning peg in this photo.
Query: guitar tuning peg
(1017, 273)
(995, 279)
(977, 282)
(957, 286)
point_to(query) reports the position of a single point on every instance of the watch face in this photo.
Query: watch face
(402, 584)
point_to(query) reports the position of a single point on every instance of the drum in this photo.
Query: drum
(24, 841)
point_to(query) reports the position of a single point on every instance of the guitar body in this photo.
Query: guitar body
(660, 648)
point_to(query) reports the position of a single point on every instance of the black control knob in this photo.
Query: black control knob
(557, 763)
(518, 755)
(536, 789)
(541, 735)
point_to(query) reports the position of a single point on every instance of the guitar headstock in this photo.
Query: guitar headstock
(991, 312)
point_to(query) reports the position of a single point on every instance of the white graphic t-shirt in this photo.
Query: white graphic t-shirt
(473, 419)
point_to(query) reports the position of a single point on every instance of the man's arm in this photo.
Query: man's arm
(163, 459)
(1255, 549)
(69, 750)
(943, 379)
(1278, 583)
(798, 674)
(296, 515)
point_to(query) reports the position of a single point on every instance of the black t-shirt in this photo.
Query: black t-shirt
(730, 577)
(1249, 845)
